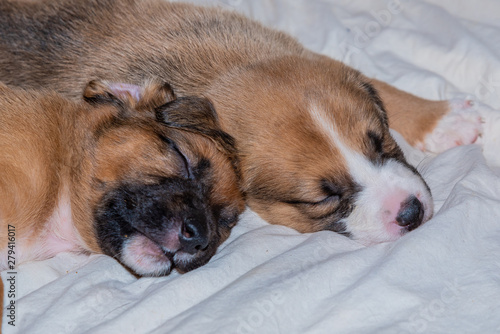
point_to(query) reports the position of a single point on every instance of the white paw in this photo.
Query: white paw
(462, 125)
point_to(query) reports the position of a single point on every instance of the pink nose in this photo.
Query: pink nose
(411, 213)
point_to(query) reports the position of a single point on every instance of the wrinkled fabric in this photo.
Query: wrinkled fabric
(443, 277)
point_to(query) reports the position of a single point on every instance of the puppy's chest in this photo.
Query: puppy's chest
(57, 234)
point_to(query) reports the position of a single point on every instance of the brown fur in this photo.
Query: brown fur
(53, 147)
(262, 83)
(410, 115)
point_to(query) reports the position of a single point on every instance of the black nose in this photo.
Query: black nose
(411, 213)
(193, 236)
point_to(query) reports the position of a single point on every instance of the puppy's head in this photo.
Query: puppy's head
(165, 189)
(316, 152)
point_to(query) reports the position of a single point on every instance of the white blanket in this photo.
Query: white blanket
(443, 277)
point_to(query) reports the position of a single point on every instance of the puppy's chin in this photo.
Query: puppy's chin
(145, 257)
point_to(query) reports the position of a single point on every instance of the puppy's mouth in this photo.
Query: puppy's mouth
(153, 256)
(154, 228)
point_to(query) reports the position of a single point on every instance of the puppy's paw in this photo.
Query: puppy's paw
(462, 125)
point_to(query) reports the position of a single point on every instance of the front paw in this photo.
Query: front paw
(462, 125)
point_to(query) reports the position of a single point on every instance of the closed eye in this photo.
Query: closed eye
(330, 199)
(326, 200)
(376, 142)
(318, 210)
(187, 166)
(380, 148)
(376, 148)
(332, 193)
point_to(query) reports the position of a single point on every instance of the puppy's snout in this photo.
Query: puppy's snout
(411, 213)
(193, 235)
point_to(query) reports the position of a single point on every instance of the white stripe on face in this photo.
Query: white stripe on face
(385, 187)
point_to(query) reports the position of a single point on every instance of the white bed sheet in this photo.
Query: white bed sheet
(442, 278)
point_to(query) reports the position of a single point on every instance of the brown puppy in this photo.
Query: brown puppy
(130, 178)
(312, 134)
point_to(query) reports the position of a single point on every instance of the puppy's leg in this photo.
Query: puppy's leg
(434, 126)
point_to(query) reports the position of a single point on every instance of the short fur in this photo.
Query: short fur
(272, 95)
(74, 177)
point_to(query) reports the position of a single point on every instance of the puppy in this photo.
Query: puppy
(312, 134)
(133, 178)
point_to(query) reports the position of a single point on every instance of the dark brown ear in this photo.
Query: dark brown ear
(141, 98)
(196, 115)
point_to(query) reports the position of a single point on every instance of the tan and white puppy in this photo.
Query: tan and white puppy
(312, 134)
(130, 178)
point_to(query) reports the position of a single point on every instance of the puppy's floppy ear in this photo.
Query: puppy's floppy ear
(102, 92)
(105, 107)
(154, 95)
(141, 98)
(196, 115)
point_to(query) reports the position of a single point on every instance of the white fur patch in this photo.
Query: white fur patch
(384, 188)
(59, 235)
(145, 257)
(462, 125)
(183, 258)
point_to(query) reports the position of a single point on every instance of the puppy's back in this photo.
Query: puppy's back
(189, 46)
